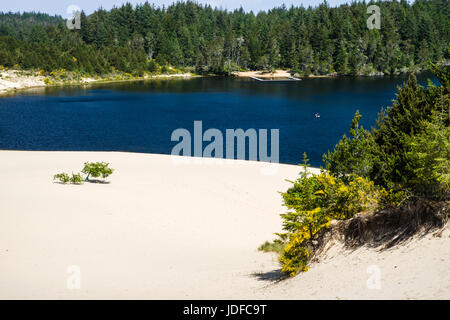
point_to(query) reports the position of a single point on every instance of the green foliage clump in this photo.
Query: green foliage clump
(62, 177)
(97, 169)
(408, 151)
(275, 246)
(94, 169)
(405, 158)
(313, 202)
(428, 158)
(353, 154)
(76, 178)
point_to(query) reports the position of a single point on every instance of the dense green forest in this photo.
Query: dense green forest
(319, 40)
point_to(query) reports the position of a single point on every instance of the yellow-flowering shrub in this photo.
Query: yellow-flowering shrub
(295, 257)
(313, 202)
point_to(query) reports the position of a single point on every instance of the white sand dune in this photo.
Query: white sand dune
(164, 230)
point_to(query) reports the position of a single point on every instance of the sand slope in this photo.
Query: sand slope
(165, 230)
(418, 269)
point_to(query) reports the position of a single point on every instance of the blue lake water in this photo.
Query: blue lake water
(141, 116)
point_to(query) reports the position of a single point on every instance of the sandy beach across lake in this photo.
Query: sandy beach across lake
(169, 230)
(263, 75)
(13, 80)
(276, 74)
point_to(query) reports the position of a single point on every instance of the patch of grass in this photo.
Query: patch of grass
(76, 178)
(275, 246)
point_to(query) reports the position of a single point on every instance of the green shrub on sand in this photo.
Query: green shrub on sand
(91, 169)
(97, 169)
(62, 177)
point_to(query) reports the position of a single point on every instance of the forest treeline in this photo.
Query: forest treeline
(319, 40)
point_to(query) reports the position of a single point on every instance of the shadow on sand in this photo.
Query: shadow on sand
(270, 276)
(97, 181)
(84, 181)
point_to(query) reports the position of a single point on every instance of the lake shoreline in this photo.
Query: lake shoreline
(286, 73)
(16, 81)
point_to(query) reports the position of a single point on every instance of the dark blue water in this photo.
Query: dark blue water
(141, 116)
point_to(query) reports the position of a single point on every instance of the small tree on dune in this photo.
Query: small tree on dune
(97, 169)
